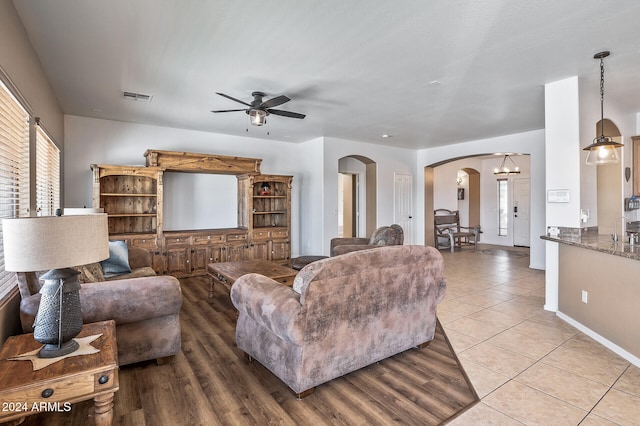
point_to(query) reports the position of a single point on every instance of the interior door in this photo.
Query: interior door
(403, 205)
(521, 212)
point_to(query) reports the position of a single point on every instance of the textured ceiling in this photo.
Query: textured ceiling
(428, 73)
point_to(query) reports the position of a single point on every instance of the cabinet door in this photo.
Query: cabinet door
(201, 256)
(179, 261)
(235, 252)
(259, 250)
(280, 251)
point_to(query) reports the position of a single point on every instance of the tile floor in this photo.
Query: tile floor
(528, 366)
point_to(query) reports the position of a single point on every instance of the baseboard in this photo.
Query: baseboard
(602, 340)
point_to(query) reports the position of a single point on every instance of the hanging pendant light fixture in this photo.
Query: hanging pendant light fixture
(603, 150)
(505, 170)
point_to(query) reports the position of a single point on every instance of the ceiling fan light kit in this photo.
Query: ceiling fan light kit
(258, 110)
(603, 150)
(257, 117)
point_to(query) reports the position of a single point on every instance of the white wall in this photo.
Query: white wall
(90, 141)
(313, 164)
(19, 61)
(389, 161)
(589, 105)
(310, 186)
(531, 143)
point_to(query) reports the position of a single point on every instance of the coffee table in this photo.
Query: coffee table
(226, 273)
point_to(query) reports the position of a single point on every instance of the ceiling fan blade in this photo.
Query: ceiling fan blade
(274, 102)
(230, 110)
(286, 113)
(233, 99)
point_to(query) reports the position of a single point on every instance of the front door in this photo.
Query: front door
(521, 214)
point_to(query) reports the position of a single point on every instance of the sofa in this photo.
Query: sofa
(342, 313)
(383, 236)
(145, 307)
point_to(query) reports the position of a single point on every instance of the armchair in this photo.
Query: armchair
(384, 236)
(145, 307)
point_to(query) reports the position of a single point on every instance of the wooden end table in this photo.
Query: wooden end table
(226, 273)
(24, 392)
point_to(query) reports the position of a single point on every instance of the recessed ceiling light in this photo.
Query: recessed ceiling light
(385, 135)
(434, 83)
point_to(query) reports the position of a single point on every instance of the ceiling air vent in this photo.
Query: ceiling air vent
(132, 96)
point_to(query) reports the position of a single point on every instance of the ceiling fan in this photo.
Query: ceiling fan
(259, 109)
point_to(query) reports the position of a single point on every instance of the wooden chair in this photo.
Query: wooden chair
(447, 232)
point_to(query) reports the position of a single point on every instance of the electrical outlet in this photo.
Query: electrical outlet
(585, 296)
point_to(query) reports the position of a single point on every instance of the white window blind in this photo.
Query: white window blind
(14, 171)
(47, 174)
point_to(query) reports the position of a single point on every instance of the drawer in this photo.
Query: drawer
(144, 242)
(208, 239)
(280, 233)
(63, 390)
(236, 237)
(261, 235)
(177, 241)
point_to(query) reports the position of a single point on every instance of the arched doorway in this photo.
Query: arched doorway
(440, 186)
(469, 196)
(357, 196)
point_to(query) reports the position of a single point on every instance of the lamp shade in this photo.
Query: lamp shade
(50, 242)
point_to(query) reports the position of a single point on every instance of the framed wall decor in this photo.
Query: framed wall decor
(460, 193)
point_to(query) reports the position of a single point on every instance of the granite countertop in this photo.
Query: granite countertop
(601, 243)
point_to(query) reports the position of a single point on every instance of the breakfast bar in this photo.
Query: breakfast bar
(599, 289)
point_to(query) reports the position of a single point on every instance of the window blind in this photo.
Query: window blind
(47, 174)
(14, 171)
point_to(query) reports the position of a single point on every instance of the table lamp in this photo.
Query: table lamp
(56, 243)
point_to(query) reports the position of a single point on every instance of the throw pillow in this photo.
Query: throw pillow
(91, 273)
(118, 261)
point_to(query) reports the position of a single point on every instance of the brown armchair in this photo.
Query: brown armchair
(145, 307)
(384, 236)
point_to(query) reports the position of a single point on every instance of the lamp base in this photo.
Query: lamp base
(51, 350)
(59, 316)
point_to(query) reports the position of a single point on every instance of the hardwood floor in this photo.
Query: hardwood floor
(211, 382)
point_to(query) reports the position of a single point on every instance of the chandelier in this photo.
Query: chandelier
(504, 169)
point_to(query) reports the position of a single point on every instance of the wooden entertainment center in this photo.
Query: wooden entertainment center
(132, 197)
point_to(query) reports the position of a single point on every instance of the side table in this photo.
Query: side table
(24, 391)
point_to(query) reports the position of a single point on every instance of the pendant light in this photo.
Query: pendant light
(504, 169)
(603, 150)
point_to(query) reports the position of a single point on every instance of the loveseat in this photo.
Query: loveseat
(144, 306)
(343, 313)
(382, 236)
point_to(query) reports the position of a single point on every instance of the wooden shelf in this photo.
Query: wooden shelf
(113, 194)
(131, 215)
(132, 197)
(273, 212)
